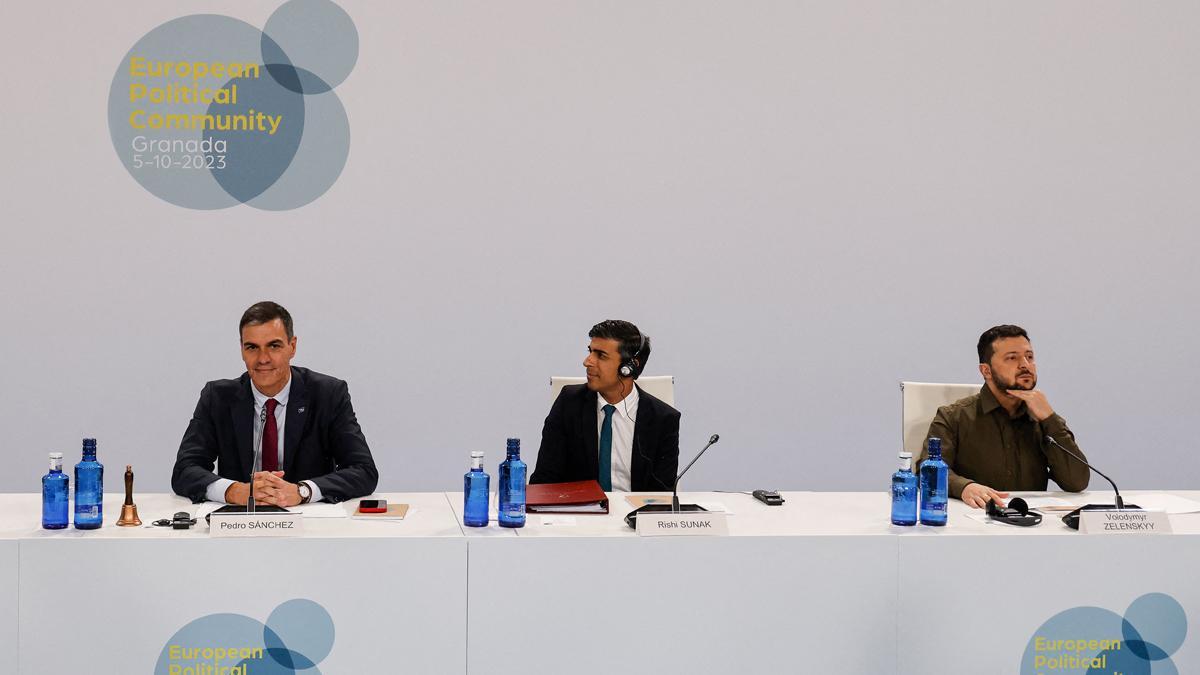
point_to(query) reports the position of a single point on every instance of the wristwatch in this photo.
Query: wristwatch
(305, 492)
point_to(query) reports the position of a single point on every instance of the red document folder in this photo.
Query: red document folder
(584, 496)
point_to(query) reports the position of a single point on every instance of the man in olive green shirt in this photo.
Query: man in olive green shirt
(996, 440)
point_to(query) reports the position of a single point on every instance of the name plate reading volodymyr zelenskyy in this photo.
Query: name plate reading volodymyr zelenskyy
(260, 524)
(692, 523)
(1124, 522)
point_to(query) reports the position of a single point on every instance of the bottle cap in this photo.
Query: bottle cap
(476, 454)
(904, 454)
(89, 443)
(56, 455)
(514, 444)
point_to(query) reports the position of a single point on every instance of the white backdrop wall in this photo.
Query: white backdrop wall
(803, 203)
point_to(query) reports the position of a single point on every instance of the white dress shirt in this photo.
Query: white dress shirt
(622, 437)
(216, 489)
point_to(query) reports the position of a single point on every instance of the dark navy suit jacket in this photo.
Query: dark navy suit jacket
(570, 441)
(322, 440)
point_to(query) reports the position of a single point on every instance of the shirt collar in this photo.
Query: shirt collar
(626, 407)
(260, 399)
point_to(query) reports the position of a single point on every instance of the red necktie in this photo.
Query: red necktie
(270, 439)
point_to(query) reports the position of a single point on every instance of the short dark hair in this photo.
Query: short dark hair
(631, 342)
(265, 312)
(985, 348)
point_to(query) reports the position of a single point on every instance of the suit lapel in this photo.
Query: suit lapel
(591, 433)
(242, 411)
(641, 431)
(293, 426)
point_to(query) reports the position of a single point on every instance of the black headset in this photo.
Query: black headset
(1016, 513)
(629, 362)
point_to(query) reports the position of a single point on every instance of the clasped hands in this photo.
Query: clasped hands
(269, 488)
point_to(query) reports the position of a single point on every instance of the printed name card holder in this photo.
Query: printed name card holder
(687, 524)
(1126, 521)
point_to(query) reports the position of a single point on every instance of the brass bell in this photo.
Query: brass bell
(129, 514)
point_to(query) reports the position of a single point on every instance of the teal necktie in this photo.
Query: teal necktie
(606, 449)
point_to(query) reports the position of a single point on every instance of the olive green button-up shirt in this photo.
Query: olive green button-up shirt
(983, 444)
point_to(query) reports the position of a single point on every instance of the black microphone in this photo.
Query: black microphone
(256, 465)
(1119, 502)
(675, 490)
(675, 507)
(1072, 518)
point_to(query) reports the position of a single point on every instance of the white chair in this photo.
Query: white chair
(661, 387)
(920, 401)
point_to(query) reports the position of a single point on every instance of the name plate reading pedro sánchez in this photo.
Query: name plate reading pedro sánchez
(259, 524)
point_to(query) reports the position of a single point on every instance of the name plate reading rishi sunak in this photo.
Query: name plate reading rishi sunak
(261, 524)
(1124, 522)
(690, 524)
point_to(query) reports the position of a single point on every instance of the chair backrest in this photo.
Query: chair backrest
(920, 401)
(661, 387)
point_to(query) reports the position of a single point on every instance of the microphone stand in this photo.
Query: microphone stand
(256, 466)
(1072, 518)
(675, 507)
(675, 491)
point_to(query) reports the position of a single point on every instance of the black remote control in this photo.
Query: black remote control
(768, 497)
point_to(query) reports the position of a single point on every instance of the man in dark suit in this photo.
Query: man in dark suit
(303, 422)
(609, 429)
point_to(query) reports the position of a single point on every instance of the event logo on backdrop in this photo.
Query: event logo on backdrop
(207, 112)
(1098, 641)
(296, 637)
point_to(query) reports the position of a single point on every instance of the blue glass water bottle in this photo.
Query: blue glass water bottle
(475, 493)
(56, 496)
(512, 487)
(89, 489)
(904, 493)
(935, 485)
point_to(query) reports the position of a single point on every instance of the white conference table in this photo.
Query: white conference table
(786, 591)
(823, 583)
(394, 590)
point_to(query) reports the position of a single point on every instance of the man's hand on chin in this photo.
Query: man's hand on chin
(271, 488)
(1035, 400)
(977, 496)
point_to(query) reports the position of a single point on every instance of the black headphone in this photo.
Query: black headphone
(1016, 513)
(180, 521)
(629, 363)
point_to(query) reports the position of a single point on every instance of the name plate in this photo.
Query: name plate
(265, 524)
(1124, 522)
(691, 524)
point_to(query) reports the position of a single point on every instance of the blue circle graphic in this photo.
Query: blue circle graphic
(1098, 641)
(318, 38)
(299, 634)
(1155, 625)
(256, 158)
